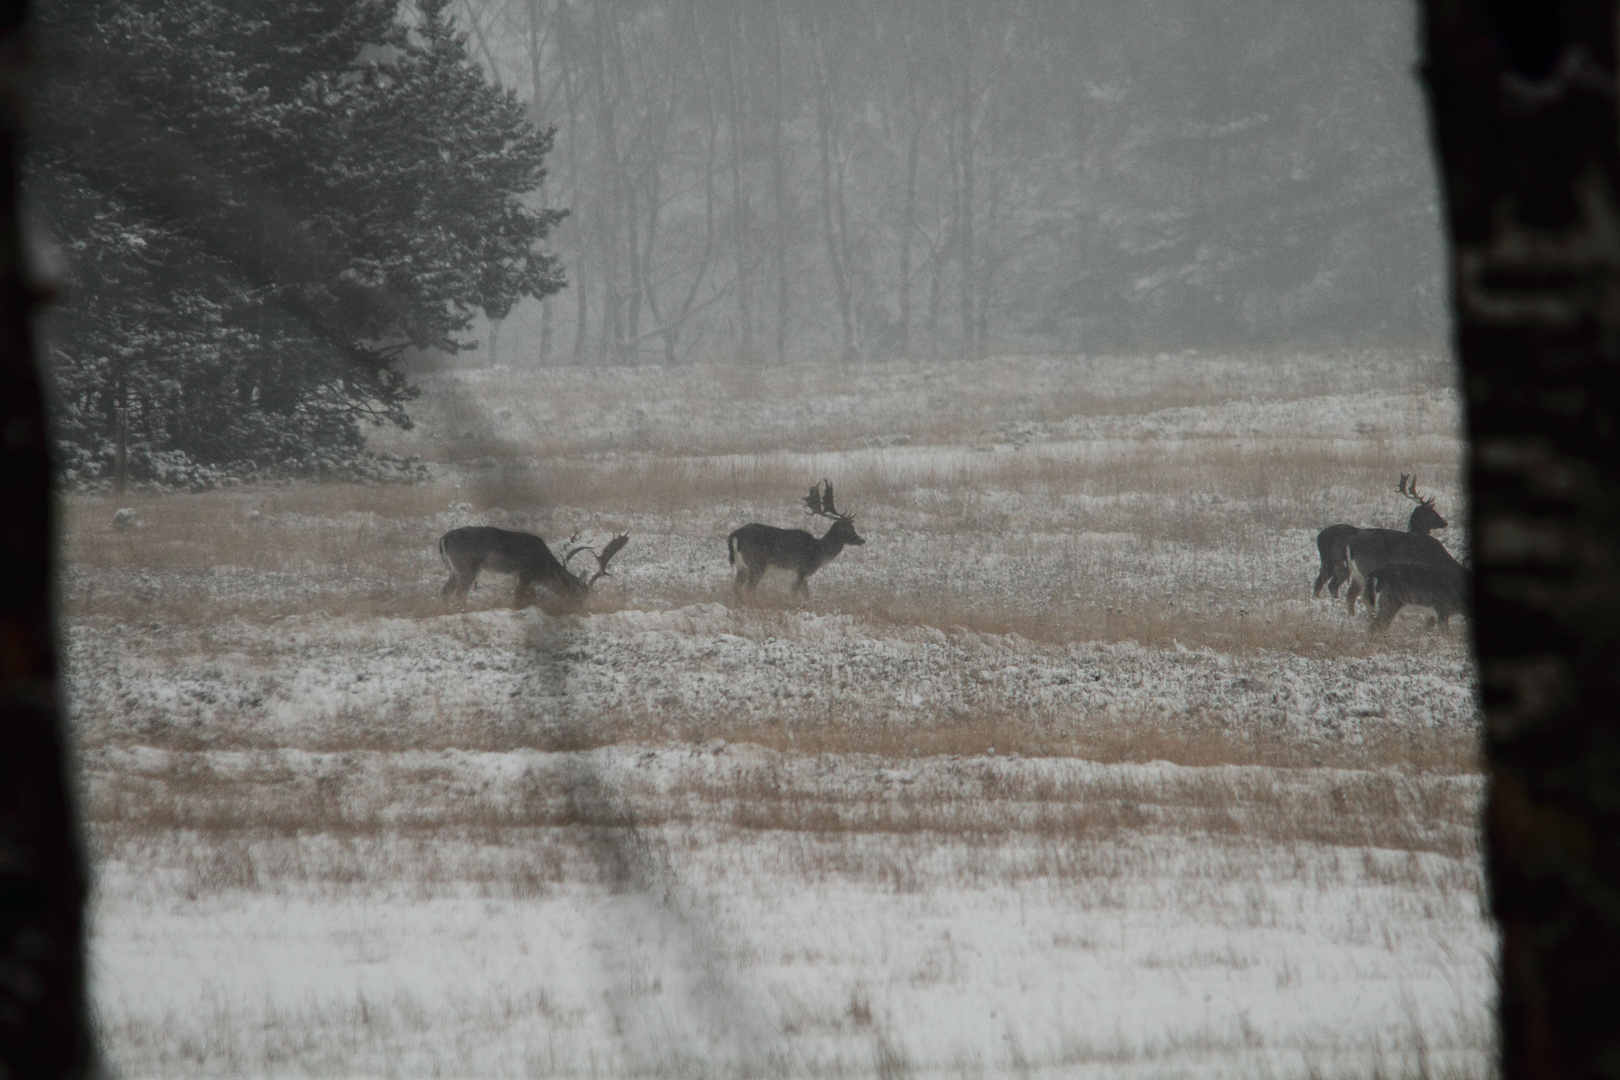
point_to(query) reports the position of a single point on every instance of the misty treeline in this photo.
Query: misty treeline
(262, 205)
(765, 179)
(265, 207)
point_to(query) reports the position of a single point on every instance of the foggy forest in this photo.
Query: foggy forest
(827, 180)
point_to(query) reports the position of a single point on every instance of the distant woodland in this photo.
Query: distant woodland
(770, 180)
(270, 210)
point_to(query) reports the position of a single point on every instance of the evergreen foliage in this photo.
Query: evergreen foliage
(263, 204)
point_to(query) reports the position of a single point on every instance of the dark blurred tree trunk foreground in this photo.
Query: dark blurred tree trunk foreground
(43, 1030)
(1523, 96)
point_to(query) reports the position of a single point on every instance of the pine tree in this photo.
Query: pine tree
(263, 206)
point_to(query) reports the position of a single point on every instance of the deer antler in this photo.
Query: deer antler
(574, 547)
(612, 549)
(1408, 487)
(820, 502)
(614, 546)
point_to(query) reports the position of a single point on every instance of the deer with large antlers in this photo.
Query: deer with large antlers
(1367, 550)
(468, 550)
(760, 547)
(1331, 542)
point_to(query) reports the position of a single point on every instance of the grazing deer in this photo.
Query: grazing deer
(761, 547)
(468, 550)
(1369, 549)
(1332, 542)
(1400, 584)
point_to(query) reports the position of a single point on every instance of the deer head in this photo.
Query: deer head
(1425, 517)
(819, 502)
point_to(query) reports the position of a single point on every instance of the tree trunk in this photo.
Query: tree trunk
(631, 172)
(546, 316)
(121, 447)
(908, 222)
(1523, 100)
(985, 278)
(965, 252)
(671, 328)
(779, 187)
(44, 1027)
(570, 145)
(739, 195)
(582, 317)
(536, 49)
(936, 267)
(833, 214)
(611, 201)
(629, 350)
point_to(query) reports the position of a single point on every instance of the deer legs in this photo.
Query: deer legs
(748, 577)
(462, 578)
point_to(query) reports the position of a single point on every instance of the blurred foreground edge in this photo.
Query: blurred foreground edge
(1523, 100)
(43, 1026)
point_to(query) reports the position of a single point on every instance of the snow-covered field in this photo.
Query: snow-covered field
(1063, 773)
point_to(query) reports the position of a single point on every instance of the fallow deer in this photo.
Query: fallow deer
(468, 550)
(760, 547)
(1444, 589)
(1332, 541)
(1369, 549)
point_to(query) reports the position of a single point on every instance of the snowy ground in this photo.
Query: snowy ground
(1063, 773)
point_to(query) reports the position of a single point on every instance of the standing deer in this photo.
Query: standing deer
(1331, 542)
(1399, 584)
(468, 550)
(761, 547)
(1370, 549)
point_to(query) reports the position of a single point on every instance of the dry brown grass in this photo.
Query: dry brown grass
(365, 550)
(369, 795)
(1200, 743)
(1154, 623)
(290, 529)
(1274, 486)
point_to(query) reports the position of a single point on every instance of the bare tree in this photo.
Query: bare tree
(779, 172)
(834, 209)
(752, 180)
